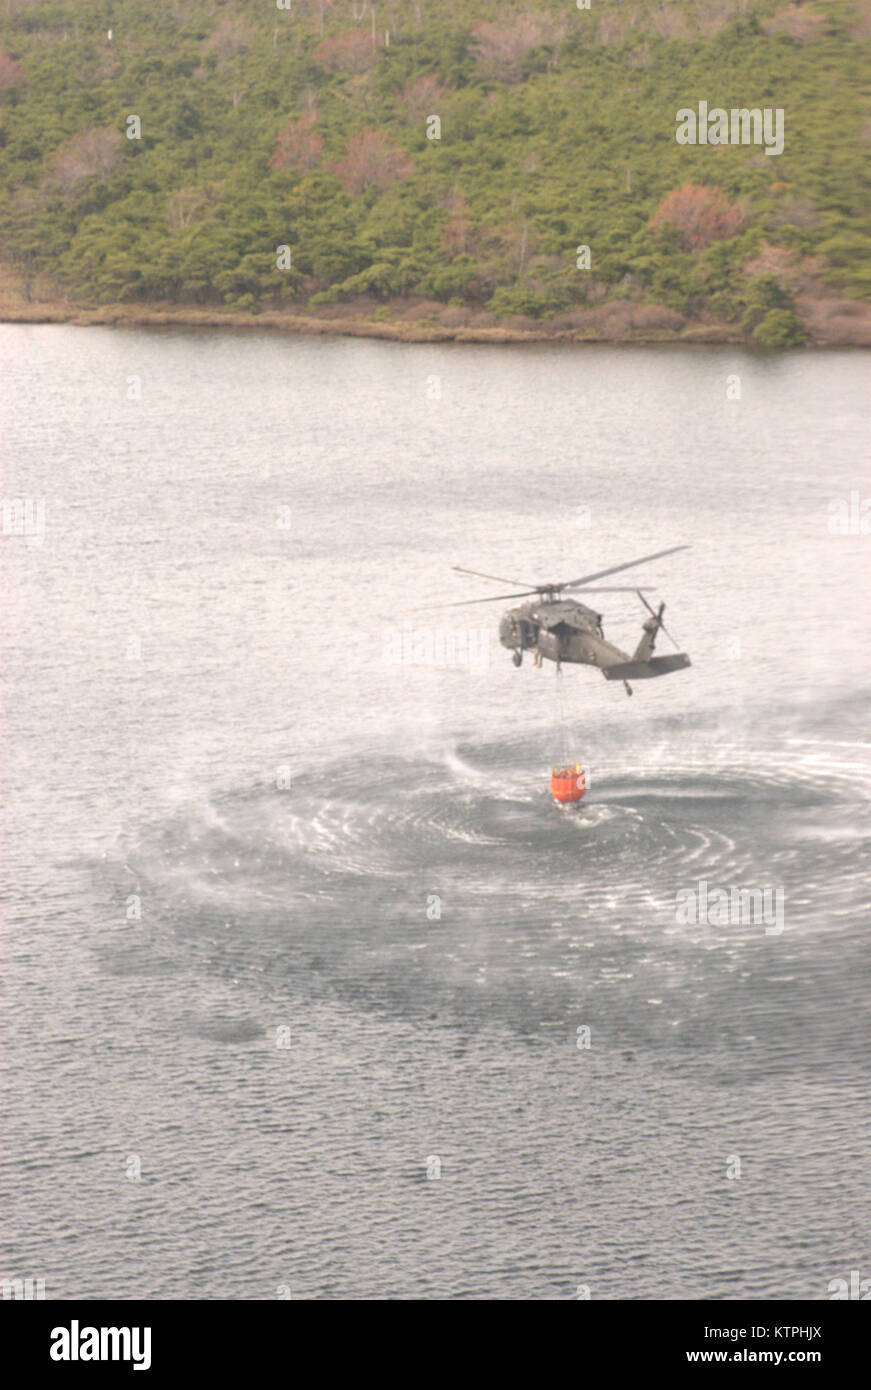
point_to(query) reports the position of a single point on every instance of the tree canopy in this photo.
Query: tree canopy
(458, 151)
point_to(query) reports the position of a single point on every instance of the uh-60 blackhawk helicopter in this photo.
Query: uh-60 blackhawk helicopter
(560, 629)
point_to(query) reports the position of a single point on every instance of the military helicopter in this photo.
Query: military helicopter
(560, 629)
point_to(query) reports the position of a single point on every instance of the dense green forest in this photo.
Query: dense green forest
(307, 155)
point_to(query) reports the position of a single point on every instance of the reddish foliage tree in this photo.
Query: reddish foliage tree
(669, 23)
(612, 31)
(772, 260)
(423, 96)
(372, 160)
(501, 47)
(793, 272)
(300, 146)
(518, 242)
(455, 233)
(795, 22)
(351, 51)
(229, 37)
(87, 157)
(11, 73)
(715, 15)
(862, 28)
(700, 214)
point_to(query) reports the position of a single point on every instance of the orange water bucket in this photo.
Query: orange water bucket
(568, 783)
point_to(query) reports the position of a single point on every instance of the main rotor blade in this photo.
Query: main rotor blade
(615, 569)
(479, 575)
(494, 598)
(527, 593)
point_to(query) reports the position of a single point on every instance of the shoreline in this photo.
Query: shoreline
(828, 324)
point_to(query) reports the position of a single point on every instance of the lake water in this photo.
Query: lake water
(229, 813)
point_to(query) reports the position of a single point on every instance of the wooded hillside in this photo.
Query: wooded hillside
(441, 161)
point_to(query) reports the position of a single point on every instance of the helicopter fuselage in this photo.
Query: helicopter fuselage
(560, 630)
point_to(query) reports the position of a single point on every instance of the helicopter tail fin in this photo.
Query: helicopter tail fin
(644, 650)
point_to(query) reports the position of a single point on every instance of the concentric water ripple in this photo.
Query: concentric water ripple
(453, 882)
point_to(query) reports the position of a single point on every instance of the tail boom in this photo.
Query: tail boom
(645, 670)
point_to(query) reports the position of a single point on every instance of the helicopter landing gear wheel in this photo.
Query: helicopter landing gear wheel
(517, 658)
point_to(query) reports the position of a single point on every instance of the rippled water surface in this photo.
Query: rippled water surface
(228, 813)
